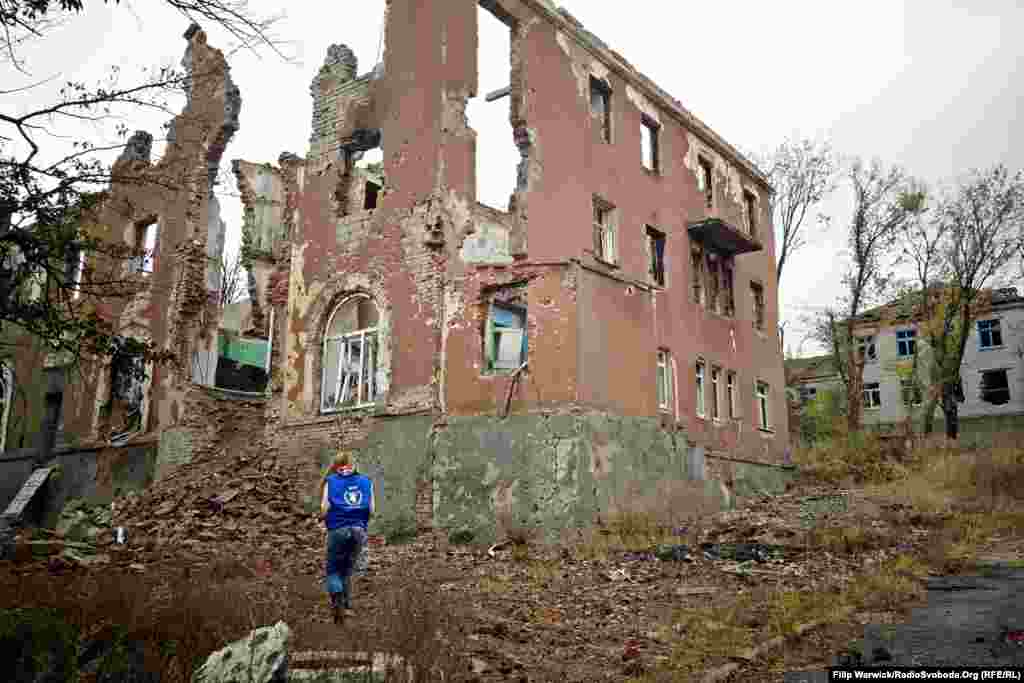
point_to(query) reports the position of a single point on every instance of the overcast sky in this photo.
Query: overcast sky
(934, 86)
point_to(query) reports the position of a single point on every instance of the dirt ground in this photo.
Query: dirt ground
(601, 607)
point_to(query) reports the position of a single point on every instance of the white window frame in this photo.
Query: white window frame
(78, 279)
(716, 405)
(649, 143)
(761, 391)
(367, 380)
(730, 390)
(701, 402)
(872, 395)
(907, 341)
(992, 327)
(607, 248)
(665, 385)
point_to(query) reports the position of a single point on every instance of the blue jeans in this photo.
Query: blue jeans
(343, 546)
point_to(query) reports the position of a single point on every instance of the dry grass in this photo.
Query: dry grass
(178, 620)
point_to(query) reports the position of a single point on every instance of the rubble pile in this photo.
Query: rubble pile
(241, 506)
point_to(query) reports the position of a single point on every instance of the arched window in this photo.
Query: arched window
(350, 356)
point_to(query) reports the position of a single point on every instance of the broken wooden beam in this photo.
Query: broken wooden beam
(499, 93)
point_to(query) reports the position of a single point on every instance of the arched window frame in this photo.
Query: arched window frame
(367, 387)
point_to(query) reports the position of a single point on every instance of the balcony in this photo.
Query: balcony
(723, 237)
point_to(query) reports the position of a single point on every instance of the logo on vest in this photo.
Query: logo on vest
(353, 496)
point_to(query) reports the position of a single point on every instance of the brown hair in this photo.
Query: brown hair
(342, 458)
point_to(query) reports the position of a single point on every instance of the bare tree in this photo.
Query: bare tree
(981, 223)
(51, 177)
(803, 172)
(232, 278)
(884, 201)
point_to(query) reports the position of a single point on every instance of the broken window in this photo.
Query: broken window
(350, 356)
(604, 231)
(700, 389)
(716, 376)
(6, 394)
(649, 143)
(757, 293)
(601, 106)
(127, 395)
(705, 182)
(866, 348)
(697, 275)
(761, 390)
(74, 269)
(872, 395)
(656, 248)
(995, 387)
(145, 246)
(370, 195)
(750, 203)
(906, 342)
(990, 334)
(730, 395)
(665, 395)
(714, 282)
(807, 394)
(911, 392)
(505, 337)
(728, 292)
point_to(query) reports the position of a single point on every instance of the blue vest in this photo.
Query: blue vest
(350, 500)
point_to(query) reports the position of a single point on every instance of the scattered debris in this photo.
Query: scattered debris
(260, 657)
(673, 553)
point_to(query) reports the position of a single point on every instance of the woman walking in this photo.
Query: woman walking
(346, 505)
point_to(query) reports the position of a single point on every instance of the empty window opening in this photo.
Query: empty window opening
(750, 202)
(990, 334)
(656, 249)
(649, 143)
(6, 395)
(697, 275)
(757, 294)
(761, 391)
(911, 392)
(370, 195)
(145, 246)
(728, 291)
(906, 342)
(700, 389)
(75, 268)
(604, 231)
(872, 395)
(995, 387)
(714, 282)
(601, 106)
(350, 356)
(807, 394)
(127, 408)
(505, 337)
(730, 395)
(665, 394)
(866, 348)
(716, 382)
(705, 181)
(490, 115)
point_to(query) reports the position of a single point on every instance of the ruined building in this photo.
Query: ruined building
(613, 332)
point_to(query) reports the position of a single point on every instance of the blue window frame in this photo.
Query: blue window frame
(990, 334)
(906, 342)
